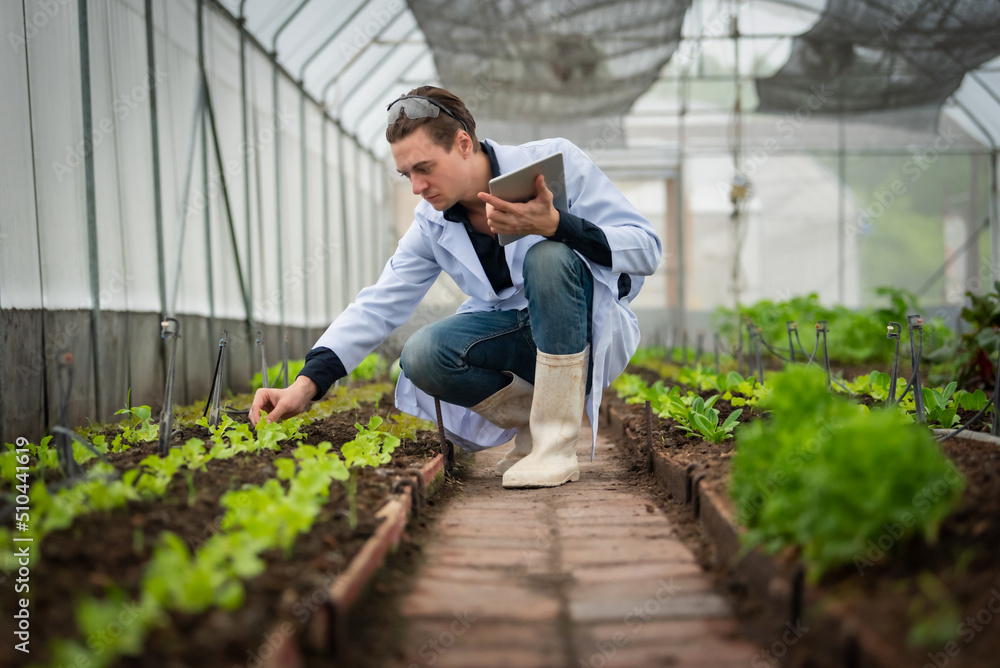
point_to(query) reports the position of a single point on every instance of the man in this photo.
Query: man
(547, 321)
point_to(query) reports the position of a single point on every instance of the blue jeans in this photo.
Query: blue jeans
(462, 358)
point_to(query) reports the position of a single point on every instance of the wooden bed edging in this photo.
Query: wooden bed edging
(844, 640)
(326, 627)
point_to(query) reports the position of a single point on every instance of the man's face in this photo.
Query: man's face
(441, 177)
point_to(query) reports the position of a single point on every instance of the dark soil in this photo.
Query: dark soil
(886, 597)
(104, 550)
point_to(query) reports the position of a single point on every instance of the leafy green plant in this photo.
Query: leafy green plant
(970, 357)
(370, 448)
(192, 583)
(938, 406)
(854, 336)
(934, 614)
(370, 367)
(405, 426)
(139, 428)
(271, 434)
(274, 374)
(972, 401)
(813, 475)
(706, 421)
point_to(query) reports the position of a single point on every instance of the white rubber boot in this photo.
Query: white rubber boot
(556, 414)
(510, 408)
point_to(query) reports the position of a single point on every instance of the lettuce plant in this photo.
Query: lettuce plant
(370, 448)
(832, 478)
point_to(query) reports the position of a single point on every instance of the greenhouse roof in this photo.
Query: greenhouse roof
(580, 67)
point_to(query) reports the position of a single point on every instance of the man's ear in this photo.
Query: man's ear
(464, 142)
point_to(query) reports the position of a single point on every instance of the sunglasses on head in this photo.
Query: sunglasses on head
(418, 106)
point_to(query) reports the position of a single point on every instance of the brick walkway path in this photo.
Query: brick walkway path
(587, 575)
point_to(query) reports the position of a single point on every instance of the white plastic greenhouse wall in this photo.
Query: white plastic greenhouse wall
(300, 206)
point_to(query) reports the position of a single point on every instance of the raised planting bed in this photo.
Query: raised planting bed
(104, 590)
(903, 600)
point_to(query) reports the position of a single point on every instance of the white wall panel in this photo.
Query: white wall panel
(268, 287)
(291, 203)
(338, 298)
(133, 142)
(110, 81)
(222, 62)
(57, 117)
(176, 50)
(20, 280)
(317, 254)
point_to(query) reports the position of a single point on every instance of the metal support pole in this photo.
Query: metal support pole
(359, 217)
(790, 326)
(277, 198)
(893, 332)
(91, 203)
(376, 220)
(822, 329)
(259, 342)
(207, 212)
(916, 323)
(841, 208)
(225, 200)
(246, 169)
(325, 190)
(154, 130)
(220, 371)
(304, 180)
(679, 180)
(170, 332)
(182, 215)
(342, 173)
(994, 218)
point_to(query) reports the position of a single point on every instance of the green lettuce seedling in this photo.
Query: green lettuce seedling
(939, 407)
(371, 448)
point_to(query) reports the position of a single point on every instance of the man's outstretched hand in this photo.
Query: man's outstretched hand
(282, 403)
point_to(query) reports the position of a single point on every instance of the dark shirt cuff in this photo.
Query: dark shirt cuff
(324, 368)
(584, 237)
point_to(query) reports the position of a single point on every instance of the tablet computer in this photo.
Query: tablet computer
(519, 186)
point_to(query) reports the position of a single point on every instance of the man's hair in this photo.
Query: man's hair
(442, 128)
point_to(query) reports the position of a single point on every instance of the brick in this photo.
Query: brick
(434, 598)
(516, 559)
(710, 654)
(634, 532)
(601, 573)
(640, 592)
(509, 657)
(489, 538)
(674, 607)
(666, 633)
(581, 551)
(469, 633)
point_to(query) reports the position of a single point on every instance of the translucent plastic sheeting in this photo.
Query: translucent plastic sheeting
(975, 104)
(121, 86)
(59, 225)
(787, 239)
(20, 277)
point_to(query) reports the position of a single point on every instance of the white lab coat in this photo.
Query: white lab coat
(433, 244)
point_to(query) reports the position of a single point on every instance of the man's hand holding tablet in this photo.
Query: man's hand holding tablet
(525, 201)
